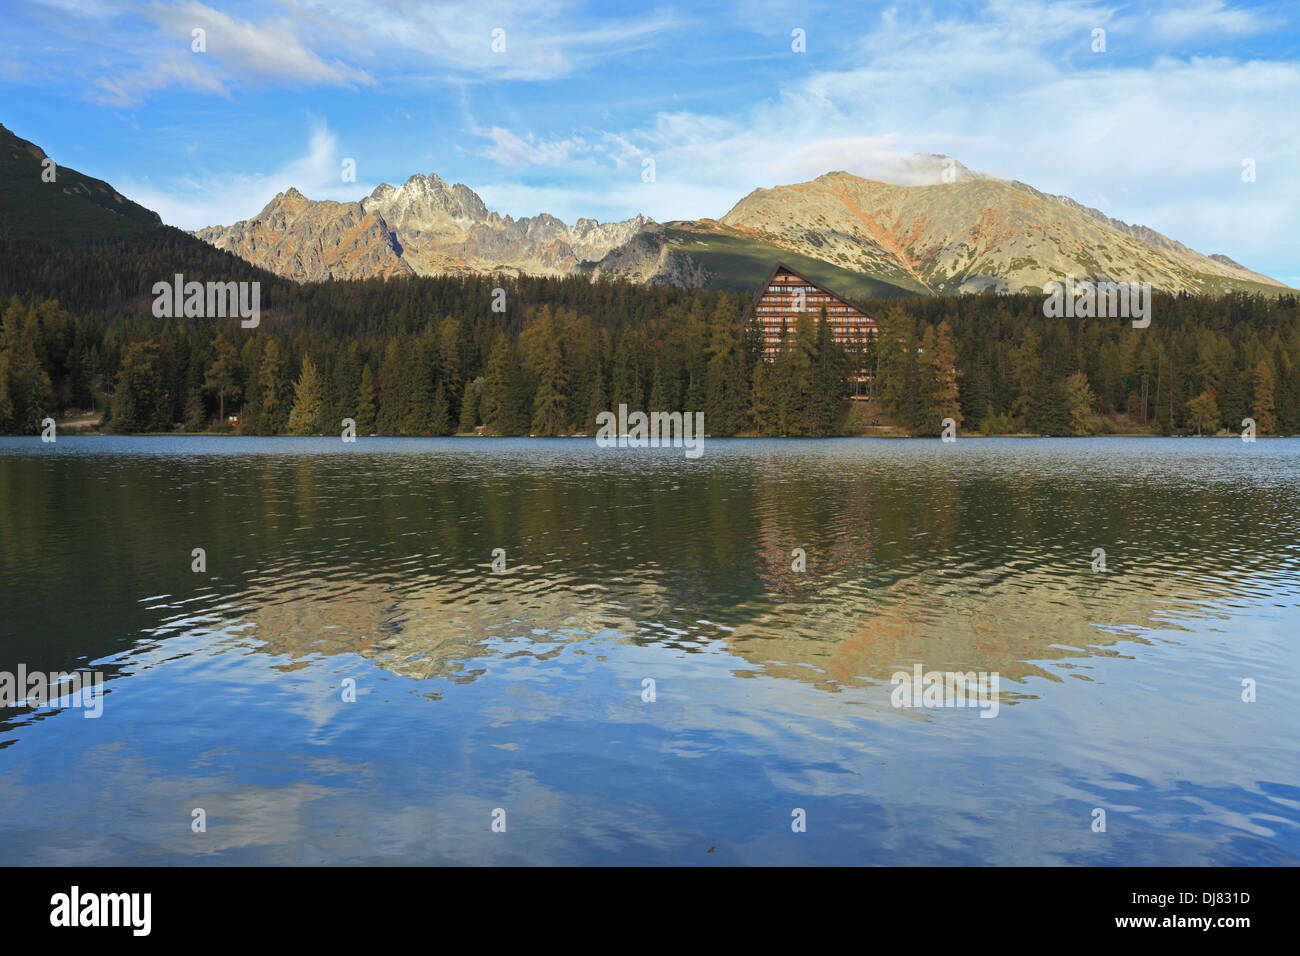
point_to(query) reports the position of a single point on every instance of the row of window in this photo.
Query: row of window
(833, 311)
(775, 339)
(813, 307)
(835, 323)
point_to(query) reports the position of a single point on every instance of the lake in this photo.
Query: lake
(646, 675)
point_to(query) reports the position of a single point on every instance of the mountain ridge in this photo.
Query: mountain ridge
(69, 207)
(425, 226)
(949, 229)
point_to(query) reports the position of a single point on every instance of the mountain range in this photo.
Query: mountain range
(961, 232)
(422, 227)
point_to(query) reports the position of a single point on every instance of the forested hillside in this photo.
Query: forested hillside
(430, 356)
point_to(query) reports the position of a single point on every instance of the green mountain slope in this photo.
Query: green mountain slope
(740, 263)
(74, 208)
(80, 241)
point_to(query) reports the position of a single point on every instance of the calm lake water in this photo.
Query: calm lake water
(369, 565)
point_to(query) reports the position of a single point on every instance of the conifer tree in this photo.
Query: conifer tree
(26, 392)
(762, 400)
(944, 399)
(1203, 412)
(365, 416)
(440, 412)
(272, 411)
(550, 406)
(223, 378)
(309, 399)
(1264, 406)
(505, 402)
(828, 383)
(899, 387)
(391, 386)
(469, 406)
(727, 391)
(136, 397)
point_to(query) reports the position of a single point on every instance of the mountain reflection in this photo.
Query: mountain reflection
(967, 558)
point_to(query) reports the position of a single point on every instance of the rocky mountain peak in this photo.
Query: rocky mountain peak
(922, 223)
(423, 226)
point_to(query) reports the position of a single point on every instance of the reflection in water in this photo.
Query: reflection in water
(478, 688)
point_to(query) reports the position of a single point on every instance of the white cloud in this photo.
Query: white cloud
(1157, 143)
(236, 52)
(271, 50)
(1210, 18)
(353, 43)
(127, 89)
(541, 40)
(1011, 89)
(508, 149)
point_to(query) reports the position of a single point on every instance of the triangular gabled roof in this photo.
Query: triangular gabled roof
(782, 267)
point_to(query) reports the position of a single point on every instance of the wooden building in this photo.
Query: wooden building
(785, 294)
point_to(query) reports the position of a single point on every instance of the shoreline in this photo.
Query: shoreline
(87, 433)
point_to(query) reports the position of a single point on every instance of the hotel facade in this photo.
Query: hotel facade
(786, 294)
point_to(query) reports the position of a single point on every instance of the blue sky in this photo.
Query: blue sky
(1152, 130)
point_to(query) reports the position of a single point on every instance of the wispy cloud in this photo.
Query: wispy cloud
(1209, 18)
(274, 49)
(577, 95)
(1015, 92)
(197, 48)
(512, 40)
(510, 149)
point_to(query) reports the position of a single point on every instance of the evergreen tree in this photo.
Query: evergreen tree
(598, 402)
(440, 413)
(223, 378)
(469, 406)
(943, 400)
(550, 406)
(899, 372)
(136, 398)
(1265, 411)
(365, 404)
(25, 393)
(273, 411)
(1203, 412)
(196, 413)
(762, 399)
(391, 387)
(8, 419)
(727, 393)
(505, 402)
(309, 400)
(828, 385)
(1079, 401)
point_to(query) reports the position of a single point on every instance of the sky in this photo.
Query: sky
(1180, 116)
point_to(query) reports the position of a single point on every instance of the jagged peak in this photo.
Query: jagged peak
(420, 179)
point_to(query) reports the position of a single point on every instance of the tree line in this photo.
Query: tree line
(430, 356)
